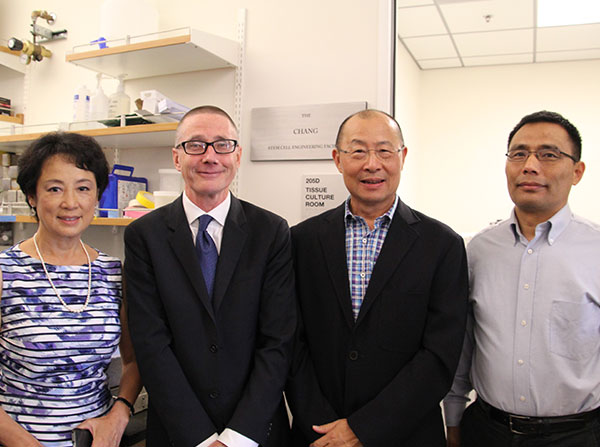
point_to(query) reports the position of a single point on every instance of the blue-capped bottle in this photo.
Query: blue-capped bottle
(81, 104)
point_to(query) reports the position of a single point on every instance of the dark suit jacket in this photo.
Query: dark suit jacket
(208, 366)
(388, 371)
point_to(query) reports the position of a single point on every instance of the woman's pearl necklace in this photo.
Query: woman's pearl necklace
(87, 300)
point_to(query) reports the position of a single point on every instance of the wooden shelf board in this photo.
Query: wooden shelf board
(119, 222)
(193, 51)
(11, 60)
(138, 136)
(123, 49)
(115, 221)
(7, 50)
(17, 119)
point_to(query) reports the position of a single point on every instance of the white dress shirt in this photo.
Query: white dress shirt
(228, 437)
(215, 227)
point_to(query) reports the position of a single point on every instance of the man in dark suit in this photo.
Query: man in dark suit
(382, 293)
(213, 344)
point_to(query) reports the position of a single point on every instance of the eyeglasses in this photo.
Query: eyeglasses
(360, 154)
(545, 155)
(197, 147)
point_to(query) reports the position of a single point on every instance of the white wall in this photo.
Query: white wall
(465, 116)
(455, 121)
(308, 52)
(301, 53)
(407, 100)
(11, 87)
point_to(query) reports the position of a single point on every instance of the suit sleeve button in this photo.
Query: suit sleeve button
(213, 348)
(353, 355)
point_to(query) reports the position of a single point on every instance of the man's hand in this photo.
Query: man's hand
(452, 436)
(336, 433)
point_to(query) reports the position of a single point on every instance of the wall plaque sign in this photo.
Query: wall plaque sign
(298, 132)
(321, 192)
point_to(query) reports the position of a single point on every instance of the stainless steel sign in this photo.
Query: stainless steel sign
(299, 132)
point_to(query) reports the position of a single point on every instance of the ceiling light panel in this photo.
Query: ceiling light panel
(572, 12)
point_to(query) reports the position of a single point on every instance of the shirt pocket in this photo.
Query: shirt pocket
(574, 329)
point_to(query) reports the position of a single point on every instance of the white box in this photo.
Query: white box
(155, 102)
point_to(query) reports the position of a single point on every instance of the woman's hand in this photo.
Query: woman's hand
(108, 430)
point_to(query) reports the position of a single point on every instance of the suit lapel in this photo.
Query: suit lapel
(181, 240)
(234, 238)
(401, 236)
(332, 236)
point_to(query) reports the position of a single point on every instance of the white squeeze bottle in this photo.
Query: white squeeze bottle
(119, 101)
(81, 104)
(99, 102)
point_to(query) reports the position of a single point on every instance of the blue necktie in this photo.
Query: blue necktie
(206, 250)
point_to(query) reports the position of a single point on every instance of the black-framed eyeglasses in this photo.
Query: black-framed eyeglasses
(545, 155)
(197, 147)
(383, 154)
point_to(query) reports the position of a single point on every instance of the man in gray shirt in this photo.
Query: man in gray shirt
(532, 350)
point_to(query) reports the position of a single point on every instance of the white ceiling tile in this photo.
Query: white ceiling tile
(422, 21)
(444, 2)
(408, 3)
(505, 14)
(495, 42)
(508, 38)
(440, 63)
(503, 59)
(568, 37)
(575, 55)
(432, 47)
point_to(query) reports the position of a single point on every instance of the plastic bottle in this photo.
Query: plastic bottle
(119, 102)
(99, 102)
(81, 104)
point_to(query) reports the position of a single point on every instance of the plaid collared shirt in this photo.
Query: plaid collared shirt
(362, 249)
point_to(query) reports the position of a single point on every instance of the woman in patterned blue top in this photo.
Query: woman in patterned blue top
(61, 315)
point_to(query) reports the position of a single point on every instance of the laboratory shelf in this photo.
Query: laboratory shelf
(126, 137)
(184, 50)
(11, 60)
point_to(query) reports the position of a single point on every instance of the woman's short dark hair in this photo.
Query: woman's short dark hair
(83, 151)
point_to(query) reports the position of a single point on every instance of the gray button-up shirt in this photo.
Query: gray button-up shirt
(533, 336)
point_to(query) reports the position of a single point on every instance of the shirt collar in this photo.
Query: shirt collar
(219, 213)
(551, 229)
(388, 215)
